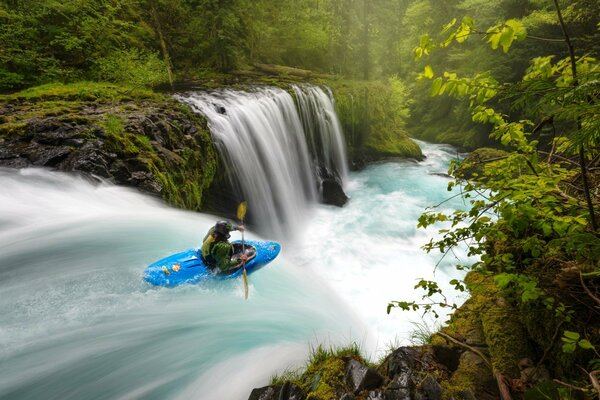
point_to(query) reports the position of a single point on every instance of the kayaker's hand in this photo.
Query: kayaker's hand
(243, 258)
(241, 228)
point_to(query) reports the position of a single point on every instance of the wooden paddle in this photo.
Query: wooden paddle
(241, 213)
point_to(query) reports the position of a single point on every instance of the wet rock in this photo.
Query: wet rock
(264, 393)
(401, 394)
(287, 391)
(49, 156)
(160, 149)
(400, 364)
(360, 377)
(429, 389)
(347, 396)
(376, 395)
(333, 193)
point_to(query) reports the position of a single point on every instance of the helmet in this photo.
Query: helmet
(222, 228)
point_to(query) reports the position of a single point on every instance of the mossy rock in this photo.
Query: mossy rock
(472, 167)
(505, 336)
(132, 137)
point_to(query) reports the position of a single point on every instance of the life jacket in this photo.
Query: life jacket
(207, 247)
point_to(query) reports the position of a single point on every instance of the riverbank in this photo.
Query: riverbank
(128, 136)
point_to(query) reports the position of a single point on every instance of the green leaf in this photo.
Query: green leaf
(428, 72)
(503, 280)
(569, 347)
(436, 86)
(585, 344)
(571, 335)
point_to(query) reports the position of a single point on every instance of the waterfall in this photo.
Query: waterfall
(323, 128)
(275, 149)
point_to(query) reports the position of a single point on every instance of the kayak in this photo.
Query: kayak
(187, 267)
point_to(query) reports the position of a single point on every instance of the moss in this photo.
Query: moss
(373, 116)
(327, 379)
(504, 334)
(13, 128)
(324, 375)
(81, 91)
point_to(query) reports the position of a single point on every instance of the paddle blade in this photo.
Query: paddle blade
(241, 211)
(245, 285)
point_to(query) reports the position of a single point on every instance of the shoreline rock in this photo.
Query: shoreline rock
(152, 144)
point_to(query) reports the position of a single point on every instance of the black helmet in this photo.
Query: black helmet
(222, 228)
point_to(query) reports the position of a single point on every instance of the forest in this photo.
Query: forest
(515, 83)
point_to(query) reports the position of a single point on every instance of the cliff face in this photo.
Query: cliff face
(129, 137)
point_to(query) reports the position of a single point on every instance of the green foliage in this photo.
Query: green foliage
(527, 222)
(132, 67)
(571, 340)
(373, 115)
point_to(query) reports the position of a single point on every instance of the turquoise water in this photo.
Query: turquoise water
(77, 320)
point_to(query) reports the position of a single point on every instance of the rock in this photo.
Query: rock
(401, 394)
(448, 356)
(263, 393)
(333, 193)
(401, 362)
(429, 389)
(376, 395)
(287, 391)
(360, 377)
(530, 374)
(347, 396)
(157, 148)
(49, 156)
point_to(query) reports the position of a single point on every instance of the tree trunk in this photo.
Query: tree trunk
(584, 177)
(163, 44)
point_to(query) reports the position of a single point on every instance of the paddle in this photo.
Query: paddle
(241, 213)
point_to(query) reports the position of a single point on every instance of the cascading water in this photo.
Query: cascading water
(79, 322)
(274, 149)
(323, 130)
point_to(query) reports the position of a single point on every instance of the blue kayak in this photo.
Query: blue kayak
(187, 266)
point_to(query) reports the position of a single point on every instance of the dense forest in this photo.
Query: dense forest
(519, 76)
(154, 42)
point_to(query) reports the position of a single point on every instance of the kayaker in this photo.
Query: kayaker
(217, 252)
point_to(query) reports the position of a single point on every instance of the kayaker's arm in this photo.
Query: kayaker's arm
(233, 227)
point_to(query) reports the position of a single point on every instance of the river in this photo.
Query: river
(78, 321)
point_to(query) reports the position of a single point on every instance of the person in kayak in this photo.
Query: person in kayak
(217, 252)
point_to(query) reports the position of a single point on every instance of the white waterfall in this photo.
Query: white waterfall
(323, 128)
(274, 148)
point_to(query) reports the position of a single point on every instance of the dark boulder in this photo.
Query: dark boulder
(333, 193)
(287, 391)
(429, 389)
(360, 377)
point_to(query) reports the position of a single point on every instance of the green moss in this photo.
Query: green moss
(81, 91)
(504, 334)
(327, 379)
(373, 115)
(324, 375)
(13, 128)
